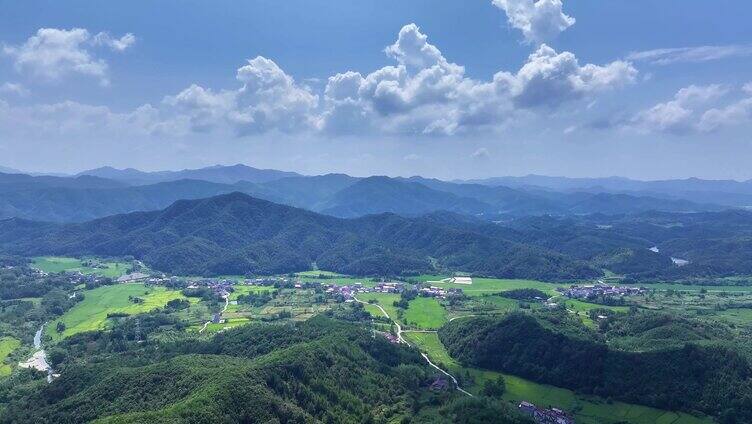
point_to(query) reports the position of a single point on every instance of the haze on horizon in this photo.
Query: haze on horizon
(389, 88)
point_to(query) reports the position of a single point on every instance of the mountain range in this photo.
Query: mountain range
(238, 234)
(107, 191)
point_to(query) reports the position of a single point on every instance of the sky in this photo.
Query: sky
(447, 89)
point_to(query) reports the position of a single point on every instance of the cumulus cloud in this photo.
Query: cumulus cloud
(681, 114)
(52, 53)
(550, 78)
(736, 113)
(267, 99)
(539, 21)
(427, 94)
(421, 93)
(690, 54)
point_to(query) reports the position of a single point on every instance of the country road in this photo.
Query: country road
(402, 340)
(227, 303)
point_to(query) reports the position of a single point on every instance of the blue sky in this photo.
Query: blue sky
(643, 89)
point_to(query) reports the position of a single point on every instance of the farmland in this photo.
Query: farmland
(91, 313)
(52, 264)
(425, 313)
(7, 346)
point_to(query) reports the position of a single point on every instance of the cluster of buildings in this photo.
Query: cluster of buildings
(220, 286)
(545, 416)
(439, 292)
(601, 290)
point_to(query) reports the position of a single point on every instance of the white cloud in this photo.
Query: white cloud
(268, 99)
(550, 78)
(680, 115)
(52, 54)
(116, 44)
(481, 154)
(539, 21)
(427, 94)
(14, 88)
(690, 54)
(77, 119)
(736, 113)
(423, 93)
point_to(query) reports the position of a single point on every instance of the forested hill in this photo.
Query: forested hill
(711, 379)
(318, 371)
(238, 234)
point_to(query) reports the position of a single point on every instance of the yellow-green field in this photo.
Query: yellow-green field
(52, 264)
(242, 289)
(425, 313)
(385, 300)
(7, 346)
(91, 313)
(483, 286)
(589, 410)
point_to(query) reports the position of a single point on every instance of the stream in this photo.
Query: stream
(38, 360)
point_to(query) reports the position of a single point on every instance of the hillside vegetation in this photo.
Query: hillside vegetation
(318, 371)
(238, 234)
(709, 379)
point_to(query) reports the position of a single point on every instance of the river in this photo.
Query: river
(38, 360)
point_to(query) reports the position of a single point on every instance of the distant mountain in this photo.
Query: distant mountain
(76, 199)
(723, 192)
(237, 234)
(6, 170)
(216, 174)
(22, 181)
(382, 194)
(74, 204)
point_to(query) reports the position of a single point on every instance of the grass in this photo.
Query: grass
(7, 346)
(738, 316)
(425, 313)
(692, 287)
(386, 300)
(240, 289)
(317, 273)
(483, 286)
(53, 264)
(216, 327)
(91, 313)
(587, 410)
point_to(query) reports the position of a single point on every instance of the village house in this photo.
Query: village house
(545, 416)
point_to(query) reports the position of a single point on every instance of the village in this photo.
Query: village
(600, 289)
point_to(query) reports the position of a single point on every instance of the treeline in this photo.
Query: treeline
(693, 378)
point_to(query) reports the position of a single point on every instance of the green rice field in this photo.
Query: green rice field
(53, 264)
(91, 313)
(425, 313)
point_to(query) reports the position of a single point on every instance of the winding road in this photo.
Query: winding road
(227, 303)
(400, 339)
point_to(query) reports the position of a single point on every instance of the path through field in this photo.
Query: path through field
(400, 339)
(227, 303)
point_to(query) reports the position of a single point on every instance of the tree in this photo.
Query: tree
(60, 327)
(495, 388)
